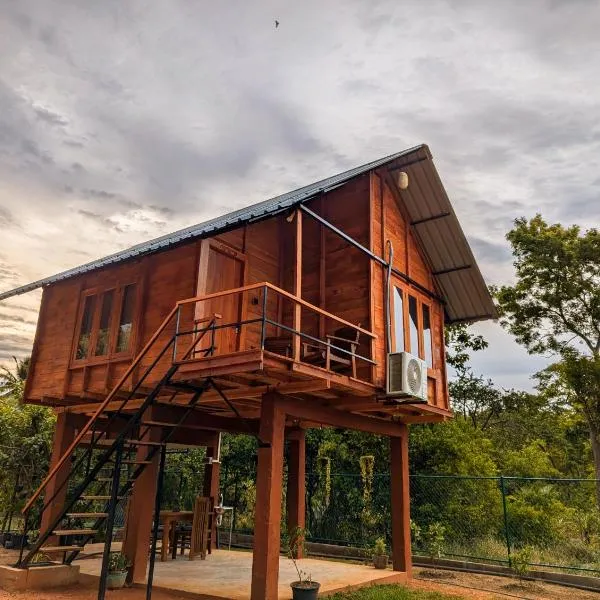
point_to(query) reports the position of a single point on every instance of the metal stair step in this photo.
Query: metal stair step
(52, 549)
(144, 443)
(136, 462)
(74, 531)
(87, 515)
(98, 497)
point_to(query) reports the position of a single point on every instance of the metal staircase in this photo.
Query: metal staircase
(110, 453)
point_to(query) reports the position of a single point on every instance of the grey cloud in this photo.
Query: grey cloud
(45, 114)
(490, 252)
(10, 318)
(6, 218)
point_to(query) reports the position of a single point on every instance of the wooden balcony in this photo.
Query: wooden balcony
(254, 340)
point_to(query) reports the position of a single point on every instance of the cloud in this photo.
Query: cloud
(121, 121)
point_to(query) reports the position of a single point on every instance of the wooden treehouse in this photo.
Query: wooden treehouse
(322, 306)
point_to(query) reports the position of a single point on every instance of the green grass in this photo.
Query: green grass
(391, 592)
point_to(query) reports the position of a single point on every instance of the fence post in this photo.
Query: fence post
(505, 513)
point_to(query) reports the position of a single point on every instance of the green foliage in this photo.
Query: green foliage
(12, 383)
(25, 442)
(433, 538)
(555, 303)
(391, 592)
(520, 562)
(117, 562)
(380, 547)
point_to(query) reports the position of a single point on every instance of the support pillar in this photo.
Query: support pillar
(64, 434)
(210, 487)
(400, 502)
(265, 559)
(140, 511)
(296, 484)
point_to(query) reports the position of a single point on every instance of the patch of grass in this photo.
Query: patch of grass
(391, 592)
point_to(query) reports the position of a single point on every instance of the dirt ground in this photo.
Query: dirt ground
(462, 585)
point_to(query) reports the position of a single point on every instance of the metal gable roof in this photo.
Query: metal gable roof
(441, 238)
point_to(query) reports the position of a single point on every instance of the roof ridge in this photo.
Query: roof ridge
(221, 222)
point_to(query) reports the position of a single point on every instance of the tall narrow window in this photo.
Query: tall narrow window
(398, 320)
(85, 332)
(413, 325)
(126, 319)
(427, 336)
(104, 327)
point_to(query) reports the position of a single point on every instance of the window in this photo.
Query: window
(427, 336)
(126, 319)
(106, 324)
(398, 320)
(412, 325)
(85, 331)
(413, 322)
(104, 328)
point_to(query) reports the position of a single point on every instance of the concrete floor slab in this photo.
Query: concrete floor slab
(226, 574)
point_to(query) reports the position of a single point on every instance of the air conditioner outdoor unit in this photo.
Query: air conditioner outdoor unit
(406, 376)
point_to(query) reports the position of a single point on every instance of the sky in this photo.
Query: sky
(122, 121)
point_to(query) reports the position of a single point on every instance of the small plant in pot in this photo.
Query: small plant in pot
(117, 570)
(305, 588)
(380, 554)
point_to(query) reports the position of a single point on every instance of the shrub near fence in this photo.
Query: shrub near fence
(483, 519)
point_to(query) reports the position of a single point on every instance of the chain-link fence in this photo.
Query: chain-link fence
(549, 523)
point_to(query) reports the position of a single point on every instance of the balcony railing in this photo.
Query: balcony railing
(263, 316)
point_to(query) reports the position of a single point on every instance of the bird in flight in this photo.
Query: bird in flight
(276, 23)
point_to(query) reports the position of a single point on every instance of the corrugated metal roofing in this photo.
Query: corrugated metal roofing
(443, 241)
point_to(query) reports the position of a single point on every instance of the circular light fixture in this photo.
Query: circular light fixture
(402, 180)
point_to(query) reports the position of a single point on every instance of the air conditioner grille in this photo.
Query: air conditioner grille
(414, 376)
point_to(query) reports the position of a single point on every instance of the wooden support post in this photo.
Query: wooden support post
(296, 484)
(64, 434)
(401, 556)
(210, 488)
(265, 561)
(140, 511)
(298, 285)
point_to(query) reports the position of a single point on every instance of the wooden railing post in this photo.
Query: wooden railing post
(297, 326)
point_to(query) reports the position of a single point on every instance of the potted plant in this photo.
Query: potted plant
(305, 588)
(117, 570)
(380, 555)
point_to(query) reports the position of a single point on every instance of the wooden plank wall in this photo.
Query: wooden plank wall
(163, 279)
(389, 222)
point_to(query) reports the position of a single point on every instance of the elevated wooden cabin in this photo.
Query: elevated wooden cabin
(289, 308)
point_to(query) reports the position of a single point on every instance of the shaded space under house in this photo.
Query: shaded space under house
(323, 306)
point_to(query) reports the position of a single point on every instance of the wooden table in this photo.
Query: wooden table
(169, 518)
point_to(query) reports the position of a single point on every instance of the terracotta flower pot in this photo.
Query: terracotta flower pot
(305, 590)
(380, 561)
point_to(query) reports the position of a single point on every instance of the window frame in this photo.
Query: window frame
(408, 291)
(115, 316)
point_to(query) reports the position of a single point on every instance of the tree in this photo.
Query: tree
(554, 309)
(13, 383)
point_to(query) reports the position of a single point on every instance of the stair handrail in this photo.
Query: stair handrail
(99, 411)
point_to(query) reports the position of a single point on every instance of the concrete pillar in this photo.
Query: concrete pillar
(64, 434)
(265, 560)
(401, 555)
(210, 488)
(296, 484)
(140, 511)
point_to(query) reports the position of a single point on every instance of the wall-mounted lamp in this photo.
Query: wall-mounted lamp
(290, 217)
(402, 180)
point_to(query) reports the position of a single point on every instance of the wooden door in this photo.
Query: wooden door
(221, 268)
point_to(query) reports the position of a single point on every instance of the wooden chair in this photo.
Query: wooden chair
(279, 345)
(200, 539)
(328, 355)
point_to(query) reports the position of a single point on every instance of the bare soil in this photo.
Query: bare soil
(487, 587)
